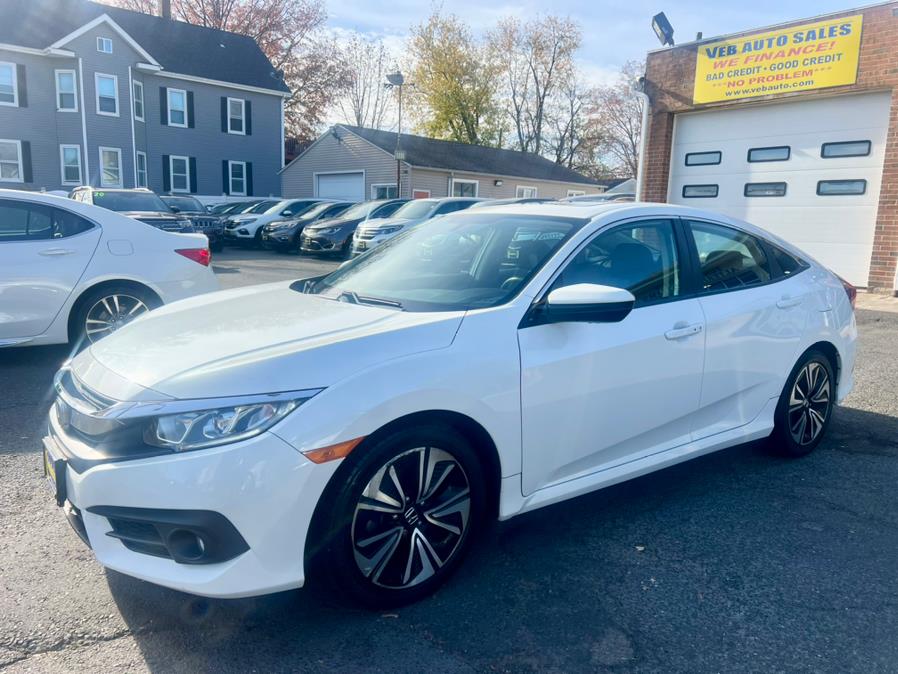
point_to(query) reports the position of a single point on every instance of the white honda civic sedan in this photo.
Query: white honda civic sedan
(73, 272)
(359, 428)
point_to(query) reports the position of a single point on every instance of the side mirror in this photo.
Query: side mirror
(585, 303)
(174, 209)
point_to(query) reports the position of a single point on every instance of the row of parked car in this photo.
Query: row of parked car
(309, 225)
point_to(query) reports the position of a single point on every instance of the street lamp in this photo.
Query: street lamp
(397, 80)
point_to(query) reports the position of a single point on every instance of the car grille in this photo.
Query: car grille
(138, 537)
(205, 223)
(164, 224)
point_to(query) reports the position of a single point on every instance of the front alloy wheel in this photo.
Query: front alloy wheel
(411, 518)
(111, 312)
(398, 516)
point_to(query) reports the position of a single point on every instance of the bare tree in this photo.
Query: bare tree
(290, 33)
(536, 57)
(617, 114)
(366, 100)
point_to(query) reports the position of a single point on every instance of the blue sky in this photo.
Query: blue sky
(613, 32)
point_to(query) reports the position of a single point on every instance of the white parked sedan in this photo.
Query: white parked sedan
(360, 427)
(70, 271)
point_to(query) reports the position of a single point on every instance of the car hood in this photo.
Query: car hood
(385, 222)
(334, 222)
(262, 339)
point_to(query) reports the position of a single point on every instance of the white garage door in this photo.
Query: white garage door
(350, 186)
(816, 156)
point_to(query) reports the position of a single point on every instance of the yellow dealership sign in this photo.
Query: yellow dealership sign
(800, 58)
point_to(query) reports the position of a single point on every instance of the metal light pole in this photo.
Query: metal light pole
(397, 80)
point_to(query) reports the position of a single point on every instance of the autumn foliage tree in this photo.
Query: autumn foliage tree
(366, 101)
(291, 34)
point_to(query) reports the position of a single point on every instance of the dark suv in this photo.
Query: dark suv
(140, 204)
(210, 225)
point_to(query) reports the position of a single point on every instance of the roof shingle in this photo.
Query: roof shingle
(179, 47)
(453, 156)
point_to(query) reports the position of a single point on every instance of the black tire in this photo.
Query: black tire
(801, 420)
(389, 571)
(216, 246)
(91, 307)
(257, 238)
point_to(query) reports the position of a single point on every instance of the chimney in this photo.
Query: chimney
(165, 9)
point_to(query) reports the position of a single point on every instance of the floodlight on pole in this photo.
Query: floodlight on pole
(397, 80)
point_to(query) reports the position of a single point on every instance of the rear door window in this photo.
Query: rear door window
(729, 259)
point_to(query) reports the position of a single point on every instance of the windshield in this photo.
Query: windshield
(260, 207)
(361, 210)
(415, 209)
(185, 204)
(462, 262)
(317, 209)
(130, 201)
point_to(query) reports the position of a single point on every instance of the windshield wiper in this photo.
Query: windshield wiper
(353, 297)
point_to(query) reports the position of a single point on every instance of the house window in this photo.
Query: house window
(237, 178)
(576, 193)
(104, 45)
(179, 169)
(177, 107)
(699, 191)
(703, 158)
(840, 188)
(236, 116)
(765, 189)
(9, 86)
(110, 167)
(70, 164)
(107, 94)
(11, 170)
(525, 192)
(780, 153)
(383, 191)
(138, 101)
(142, 169)
(464, 188)
(66, 98)
(851, 148)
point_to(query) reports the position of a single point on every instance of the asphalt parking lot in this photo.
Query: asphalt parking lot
(738, 561)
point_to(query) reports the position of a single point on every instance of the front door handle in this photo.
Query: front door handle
(56, 252)
(680, 330)
(787, 302)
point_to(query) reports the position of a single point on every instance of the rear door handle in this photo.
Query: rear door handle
(56, 252)
(786, 302)
(679, 331)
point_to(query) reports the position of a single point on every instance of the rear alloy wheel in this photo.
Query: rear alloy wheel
(111, 312)
(402, 517)
(805, 406)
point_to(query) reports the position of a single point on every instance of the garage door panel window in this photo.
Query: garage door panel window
(641, 257)
(700, 191)
(703, 158)
(765, 189)
(728, 259)
(840, 188)
(762, 154)
(850, 148)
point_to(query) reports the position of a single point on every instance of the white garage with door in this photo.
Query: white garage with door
(349, 185)
(808, 170)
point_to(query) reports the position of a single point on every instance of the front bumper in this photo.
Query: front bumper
(263, 488)
(322, 244)
(276, 239)
(360, 245)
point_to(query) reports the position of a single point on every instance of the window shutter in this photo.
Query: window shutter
(23, 87)
(190, 123)
(166, 174)
(225, 184)
(163, 106)
(248, 122)
(193, 175)
(249, 179)
(224, 114)
(26, 162)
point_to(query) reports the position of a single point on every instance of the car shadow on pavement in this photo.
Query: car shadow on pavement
(736, 557)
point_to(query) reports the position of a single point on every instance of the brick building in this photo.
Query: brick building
(793, 127)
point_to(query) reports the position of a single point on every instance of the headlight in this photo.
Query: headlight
(197, 429)
(389, 230)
